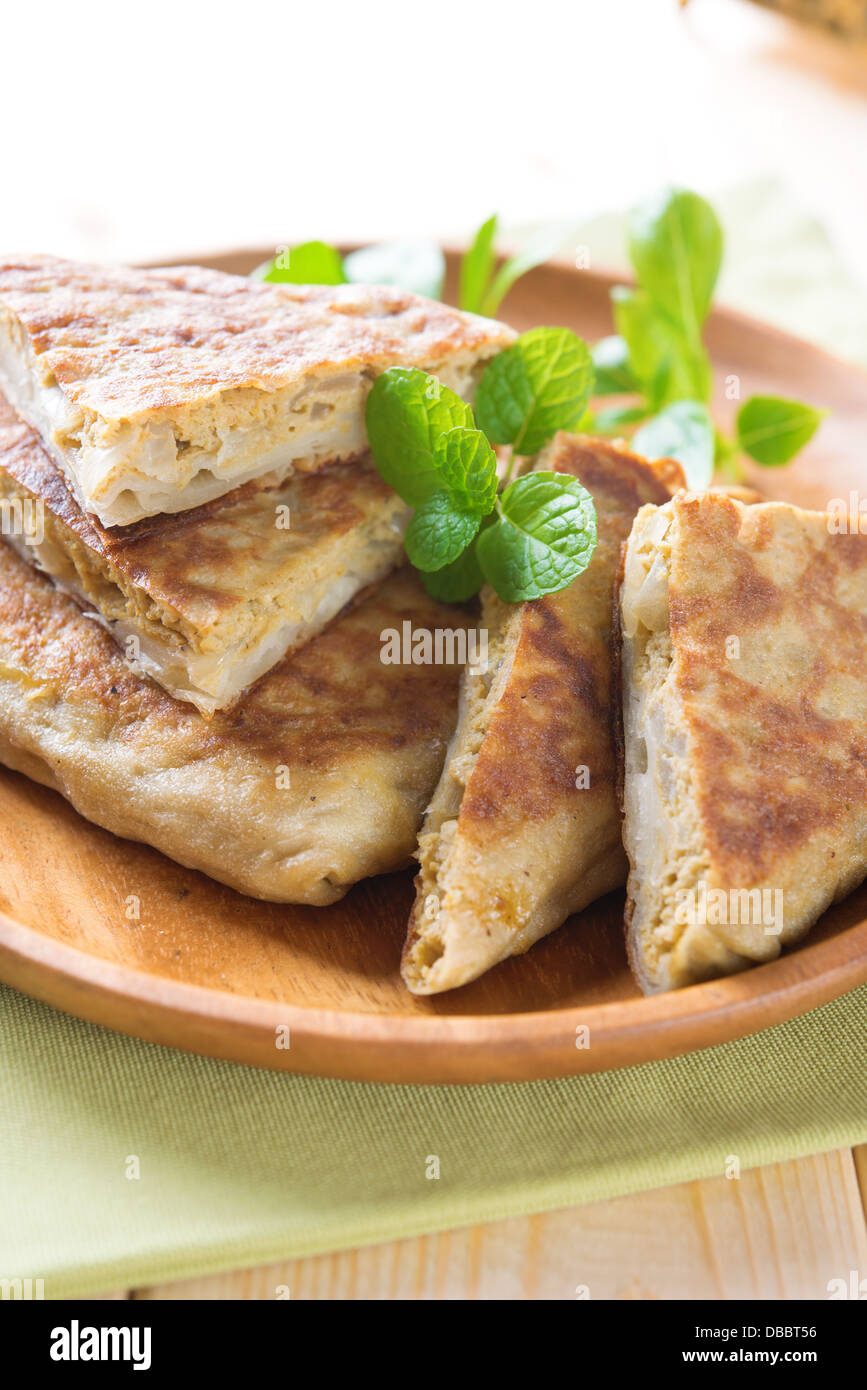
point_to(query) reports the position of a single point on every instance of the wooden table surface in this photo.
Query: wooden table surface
(728, 90)
(780, 1232)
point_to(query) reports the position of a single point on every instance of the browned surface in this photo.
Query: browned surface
(215, 972)
(778, 737)
(317, 778)
(532, 843)
(127, 343)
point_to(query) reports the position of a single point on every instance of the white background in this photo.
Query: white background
(162, 129)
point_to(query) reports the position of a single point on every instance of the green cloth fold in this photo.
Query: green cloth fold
(242, 1167)
(239, 1167)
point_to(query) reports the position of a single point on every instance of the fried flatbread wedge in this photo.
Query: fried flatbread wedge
(206, 601)
(745, 731)
(158, 390)
(524, 827)
(319, 778)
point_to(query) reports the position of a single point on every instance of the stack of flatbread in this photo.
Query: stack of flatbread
(203, 565)
(201, 561)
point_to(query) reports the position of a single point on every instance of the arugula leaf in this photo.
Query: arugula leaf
(539, 385)
(477, 267)
(406, 413)
(468, 467)
(676, 247)
(614, 375)
(439, 532)
(772, 429)
(456, 582)
(544, 536)
(542, 245)
(311, 263)
(683, 431)
(411, 265)
(668, 367)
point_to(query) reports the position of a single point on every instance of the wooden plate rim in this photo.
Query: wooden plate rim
(465, 1049)
(480, 1047)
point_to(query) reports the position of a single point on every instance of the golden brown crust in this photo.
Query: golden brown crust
(127, 344)
(362, 742)
(782, 746)
(526, 845)
(747, 705)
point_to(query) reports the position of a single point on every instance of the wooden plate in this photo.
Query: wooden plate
(213, 972)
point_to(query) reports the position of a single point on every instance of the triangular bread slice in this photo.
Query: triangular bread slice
(524, 827)
(158, 390)
(317, 779)
(745, 731)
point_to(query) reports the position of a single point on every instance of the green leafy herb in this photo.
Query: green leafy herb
(539, 385)
(543, 538)
(406, 413)
(683, 431)
(411, 265)
(482, 287)
(439, 532)
(772, 430)
(477, 268)
(666, 365)
(541, 246)
(614, 375)
(468, 467)
(311, 263)
(457, 582)
(676, 248)
(614, 418)
(536, 536)
(658, 356)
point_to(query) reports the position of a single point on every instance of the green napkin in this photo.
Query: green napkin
(123, 1164)
(241, 1167)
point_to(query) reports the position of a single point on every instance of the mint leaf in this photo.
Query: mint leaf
(614, 375)
(439, 532)
(539, 385)
(542, 245)
(668, 367)
(406, 413)
(477, 268)
(418, 266)
(772, 430)
(676, 247)
(468, 467)
(543, 538)
(311, 263)
(683, 431)
(456, 582)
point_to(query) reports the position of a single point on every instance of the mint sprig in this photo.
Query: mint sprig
(540, 384)
(537, 535)
(544, 536)
(407, 412)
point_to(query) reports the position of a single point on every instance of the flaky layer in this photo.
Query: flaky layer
(159, 390)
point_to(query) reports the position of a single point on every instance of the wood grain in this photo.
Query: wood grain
(206, 969)
(779, 1232)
